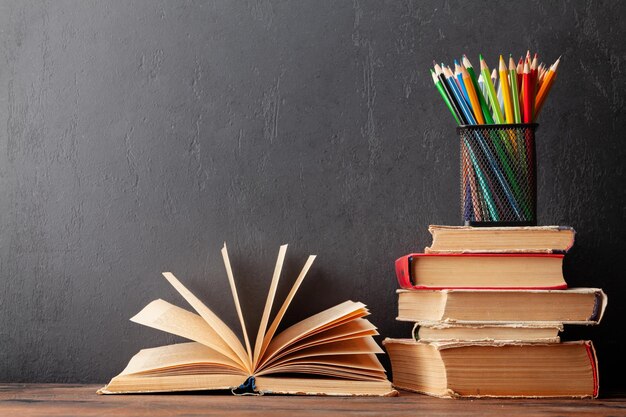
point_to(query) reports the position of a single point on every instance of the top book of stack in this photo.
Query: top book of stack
(465, 239)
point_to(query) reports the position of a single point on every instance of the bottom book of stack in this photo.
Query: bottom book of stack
(494, 369)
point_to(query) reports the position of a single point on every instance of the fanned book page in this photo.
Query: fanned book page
(330, 353)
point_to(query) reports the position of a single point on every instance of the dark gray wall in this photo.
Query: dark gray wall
(138, 136)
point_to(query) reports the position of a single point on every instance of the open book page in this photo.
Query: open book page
(233, 289)
(341, 354)
(362, 345)
(364, 361)
(181, 355)
(271, 294)
(345, 311)
(353, 361)
(267, 338)
(169, 318)
(225, 333)
(349, 330)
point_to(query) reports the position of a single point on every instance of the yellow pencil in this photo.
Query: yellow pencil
(506, 92)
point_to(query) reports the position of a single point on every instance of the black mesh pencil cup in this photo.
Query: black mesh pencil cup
(498, 175)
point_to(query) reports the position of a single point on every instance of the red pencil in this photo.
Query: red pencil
(534, 74)
(520, 70)
(529, 94)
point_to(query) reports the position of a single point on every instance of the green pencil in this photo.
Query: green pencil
(514, 90)
(493, 97)
(444, 95)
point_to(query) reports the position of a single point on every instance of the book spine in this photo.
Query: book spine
(403, 272)
(593, 360)
(597, 307)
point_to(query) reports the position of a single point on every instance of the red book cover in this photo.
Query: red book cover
(406, 280)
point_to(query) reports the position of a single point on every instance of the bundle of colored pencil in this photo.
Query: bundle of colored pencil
(518, 98)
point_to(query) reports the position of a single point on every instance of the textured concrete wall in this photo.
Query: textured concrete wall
(138, 136)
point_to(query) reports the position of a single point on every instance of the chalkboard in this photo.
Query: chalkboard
(140, 136)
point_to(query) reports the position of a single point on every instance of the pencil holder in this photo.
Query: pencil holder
(498, 175)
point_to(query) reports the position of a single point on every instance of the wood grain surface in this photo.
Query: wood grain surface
(55, 400)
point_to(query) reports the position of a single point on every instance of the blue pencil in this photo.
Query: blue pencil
(458, 96)
(461, 83)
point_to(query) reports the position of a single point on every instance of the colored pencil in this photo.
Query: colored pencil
(506, 92)
(520, 71)
(450, 95)
(460, 83)
(471, 93)
(498, 88)
(481, 98)
(528, 99)
(533, 71)
(445, 97)
(493, 98)
(546, 85)
(514, 91)
(482, 88)
(458, 96)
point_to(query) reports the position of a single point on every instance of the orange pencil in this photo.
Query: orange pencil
(473, 97)
(545, 87)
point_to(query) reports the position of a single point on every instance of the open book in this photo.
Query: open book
(329, 353)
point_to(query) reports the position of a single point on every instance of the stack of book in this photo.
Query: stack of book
(488, 305)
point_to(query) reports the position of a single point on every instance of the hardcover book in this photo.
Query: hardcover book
(524, 332)
(531, 239)
(488, 271)
(474, 370)
(572, 306)
(329, 353)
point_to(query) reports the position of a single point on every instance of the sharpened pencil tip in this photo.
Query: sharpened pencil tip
(466, 62)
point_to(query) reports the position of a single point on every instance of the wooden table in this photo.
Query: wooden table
(81, 400)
